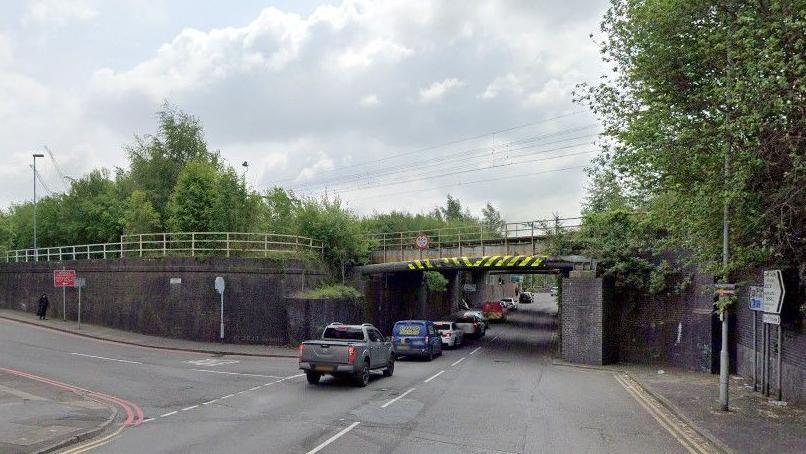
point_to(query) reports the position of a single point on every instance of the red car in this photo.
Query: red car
(493, 310)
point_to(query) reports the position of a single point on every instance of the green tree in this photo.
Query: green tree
(280, 211)
(192, 204)
(339, 229)
(694, 81)
(492, 218)
(453, 210)
(236, 208)
(140, 216)
(90, 212)
(157, 160)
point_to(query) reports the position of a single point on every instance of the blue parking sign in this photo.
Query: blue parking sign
(756, 298)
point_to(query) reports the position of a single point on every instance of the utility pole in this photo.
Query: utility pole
(724, 357)
(35, 155)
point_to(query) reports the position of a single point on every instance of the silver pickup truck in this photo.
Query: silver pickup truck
(348, 351)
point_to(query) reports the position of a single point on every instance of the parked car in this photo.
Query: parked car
(511, 303)
(473, 325)
(347, 350)
(494, 311)
(554, 290)
(416, 338)
(475, 313)
(450, 333)
(525, 298)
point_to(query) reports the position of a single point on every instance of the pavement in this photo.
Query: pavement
(40, 417)
(754, 423)
(143, 340)
(499, 394)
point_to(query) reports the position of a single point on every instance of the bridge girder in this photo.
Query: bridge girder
(522, 264)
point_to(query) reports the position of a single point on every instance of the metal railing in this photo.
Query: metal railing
(477, 237)
(176, 244)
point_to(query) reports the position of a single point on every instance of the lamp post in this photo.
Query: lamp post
(35, 155)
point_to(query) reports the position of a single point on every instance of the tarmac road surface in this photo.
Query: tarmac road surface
(500, 394)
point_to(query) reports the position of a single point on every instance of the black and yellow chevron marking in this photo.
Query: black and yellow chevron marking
(494, 261)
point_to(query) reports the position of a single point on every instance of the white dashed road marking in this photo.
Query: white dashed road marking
(254, 388)
(107, 359)
(459, 361)
(333, 438)
(434, 376)
(474, 351)
(211, 362)
(397, 398)
(235, 373)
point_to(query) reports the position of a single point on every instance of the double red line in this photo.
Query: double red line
(134, 414)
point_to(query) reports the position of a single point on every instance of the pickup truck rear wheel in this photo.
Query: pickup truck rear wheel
(390, 367)
(362, 377)
(313, 377)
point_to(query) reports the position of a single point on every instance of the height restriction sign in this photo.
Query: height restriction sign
(64, 278)
(421, 241)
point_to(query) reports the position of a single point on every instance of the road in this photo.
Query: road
(500, 394)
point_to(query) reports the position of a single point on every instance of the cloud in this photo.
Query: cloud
(323, 163)
(507, 83)
(437, 90)
(306, 98)
(58, 12)
(369, 101)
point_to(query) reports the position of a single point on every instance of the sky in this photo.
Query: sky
(389, 105)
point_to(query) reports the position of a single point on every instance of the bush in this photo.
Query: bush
(336, 291)
(435, 281)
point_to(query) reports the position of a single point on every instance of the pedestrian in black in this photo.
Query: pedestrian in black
(42, 310)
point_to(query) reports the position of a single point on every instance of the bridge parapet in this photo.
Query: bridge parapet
(476, 240)
(175, 244)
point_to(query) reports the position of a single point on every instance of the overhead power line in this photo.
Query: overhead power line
(41, 180)
(64, 180)
(486, 180)
(465, 156)
(441, 145)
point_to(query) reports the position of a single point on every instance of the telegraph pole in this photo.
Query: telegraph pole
(724, 357)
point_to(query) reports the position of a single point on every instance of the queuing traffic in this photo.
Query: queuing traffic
(352, 352)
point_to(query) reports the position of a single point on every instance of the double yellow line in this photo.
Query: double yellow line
(680, 430)
(95, 443)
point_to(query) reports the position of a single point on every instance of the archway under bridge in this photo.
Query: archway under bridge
(587, 325)
(398, 289)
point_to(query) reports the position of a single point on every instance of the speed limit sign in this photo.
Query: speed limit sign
(422, 242)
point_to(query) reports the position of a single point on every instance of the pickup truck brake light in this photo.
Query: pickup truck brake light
(301, 348)
(351, 353)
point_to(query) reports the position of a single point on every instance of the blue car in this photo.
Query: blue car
(416, 338)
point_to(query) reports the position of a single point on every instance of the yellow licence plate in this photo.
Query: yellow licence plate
(324, 368)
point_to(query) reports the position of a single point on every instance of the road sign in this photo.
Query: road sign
(756, 298)
(421, 241)
(469, 287)
(81, 282)
(219, 287)
(64, 278)
(771, 319)
(774, 291)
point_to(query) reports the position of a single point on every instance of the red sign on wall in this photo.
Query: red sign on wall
(64, 278)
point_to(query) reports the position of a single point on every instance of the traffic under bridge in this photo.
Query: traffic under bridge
(587, 321)
(398, 289)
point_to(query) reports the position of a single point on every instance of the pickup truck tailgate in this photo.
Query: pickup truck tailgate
(324, 352)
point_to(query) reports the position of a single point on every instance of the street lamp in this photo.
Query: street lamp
(35, 155)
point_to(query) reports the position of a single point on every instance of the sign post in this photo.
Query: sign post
(79, 283)
(756, 302)
(62, 279)
(219, 287)
(774, 293)
(422, 243)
